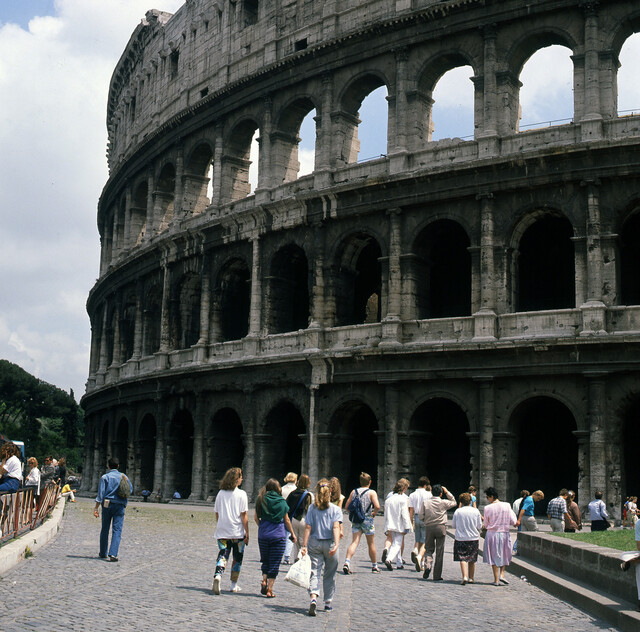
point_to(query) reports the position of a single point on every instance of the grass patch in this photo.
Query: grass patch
(621, 539)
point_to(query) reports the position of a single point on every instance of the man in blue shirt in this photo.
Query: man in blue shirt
(113, 506)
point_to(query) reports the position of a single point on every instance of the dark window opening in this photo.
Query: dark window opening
(173, 60)
(204, 92)
(234, 301)
(630, 262)
(300, 44)
(284, 428)
(289, 290)
(250, 12)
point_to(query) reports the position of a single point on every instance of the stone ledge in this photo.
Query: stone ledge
(597, 566)
(12, 553)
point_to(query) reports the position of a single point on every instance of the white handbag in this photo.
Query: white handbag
(300, 573)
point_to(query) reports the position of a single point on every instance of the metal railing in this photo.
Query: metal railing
(21, 512)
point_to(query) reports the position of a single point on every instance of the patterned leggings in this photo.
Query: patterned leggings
(224, 551)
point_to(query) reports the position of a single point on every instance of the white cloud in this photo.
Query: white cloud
(54, 79)
(628, 84)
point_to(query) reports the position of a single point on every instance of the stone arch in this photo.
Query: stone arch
(542, 428)
(151, 320)
(352, 445)
(285, 138)
(225, 447)
(138, 217)
(346, 121)
(120, 444)
(543, 262)
(358, 280)
(237, 160)
(282, 441)
(147, 433)
(233, 290)
(441, 269)
(185, 313)
(165, 195)
(625, 28)
(629, 245)
(438, 438)
(179, 454)
(196, 179)
(288, 290)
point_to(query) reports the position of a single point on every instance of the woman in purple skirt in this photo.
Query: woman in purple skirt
(498, 518)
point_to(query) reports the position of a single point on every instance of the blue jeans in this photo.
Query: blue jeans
(114, 513)
(9, 484)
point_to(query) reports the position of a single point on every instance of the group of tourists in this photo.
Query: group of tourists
(294, 521)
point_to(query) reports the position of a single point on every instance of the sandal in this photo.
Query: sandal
(270, 594)
(263, 588)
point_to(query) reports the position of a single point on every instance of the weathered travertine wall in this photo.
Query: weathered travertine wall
(467, 309)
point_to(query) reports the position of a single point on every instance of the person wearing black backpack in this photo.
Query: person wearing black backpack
(362, 505)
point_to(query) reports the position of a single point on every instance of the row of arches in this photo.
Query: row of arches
(540, 450)
(437, 279)
(252, 153)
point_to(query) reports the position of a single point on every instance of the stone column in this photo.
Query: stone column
(158, 465)
(505, 455)
(151, 219)
(317, 301)
(583, 491)
(250, 465)
(255, 310)
(596, 395)
(216, 185)
(165, 338)
(205, 308)
(127, 241)
(591, 122)
(116, 356)
(392, 422)
(178, 190)
(324, 159)
(487, 413)
(265, 157)
(398, 153)
(489, 86)
(391, 326)
(248, 470)
(594, 310)
(137, 329)
(102, 364)
(485, 320)
(312, 465)
(197, 469)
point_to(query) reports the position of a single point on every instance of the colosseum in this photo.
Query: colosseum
(466, 308)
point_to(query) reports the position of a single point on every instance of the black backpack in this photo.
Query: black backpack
(356, 510)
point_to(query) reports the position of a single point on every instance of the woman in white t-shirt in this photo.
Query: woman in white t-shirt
(10, 468)
(467, 522)
(232, 531)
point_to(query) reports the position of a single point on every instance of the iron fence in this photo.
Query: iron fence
(22, 511)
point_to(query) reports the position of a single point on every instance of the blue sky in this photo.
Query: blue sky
(56, 61)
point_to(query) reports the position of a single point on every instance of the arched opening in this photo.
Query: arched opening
(546, 98)
(151, 319)
(179, 455)
(358, 282)
(544, 430)
(197, 180)
(128, 326)
(442, 271)
(630, 261)
(628, 85)
(630, 442)
(546, 266)
(240, 163)
(439, 441)
(453, 103)
(289, 290)
(186, 313)
(120, 447)
(284, 429)
(352, 446)
(139, 214)
(234, 300)
(165, 192)
(372, 130)
(351, 129)
(147, 447)
(224, 447)
(291, 138)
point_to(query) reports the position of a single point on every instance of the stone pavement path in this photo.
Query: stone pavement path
(163, 582)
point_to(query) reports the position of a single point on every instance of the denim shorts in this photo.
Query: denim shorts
(420, 530)
(367, 527)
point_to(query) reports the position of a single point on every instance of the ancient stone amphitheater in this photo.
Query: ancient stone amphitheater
(468, 309)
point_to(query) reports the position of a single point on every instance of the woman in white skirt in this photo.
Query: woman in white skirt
(498, 518)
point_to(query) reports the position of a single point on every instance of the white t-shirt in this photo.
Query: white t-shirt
(13, 467)
(467, 522)
(417, 498)
(229, 506)
(287, 489)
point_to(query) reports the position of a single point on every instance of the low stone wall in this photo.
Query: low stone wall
(595, 565)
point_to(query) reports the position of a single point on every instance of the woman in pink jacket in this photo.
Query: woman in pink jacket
(498, 518)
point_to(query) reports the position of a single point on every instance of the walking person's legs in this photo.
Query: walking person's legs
(329, 576)
(440, 534)
(117, 516)
(357, 534)
(104, 531)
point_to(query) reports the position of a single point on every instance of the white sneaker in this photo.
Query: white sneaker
(216, 585)
(236, 589)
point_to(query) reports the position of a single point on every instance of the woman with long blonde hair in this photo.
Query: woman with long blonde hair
(322, 537)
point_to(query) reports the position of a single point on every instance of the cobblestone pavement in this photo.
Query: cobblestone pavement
(163, 582)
